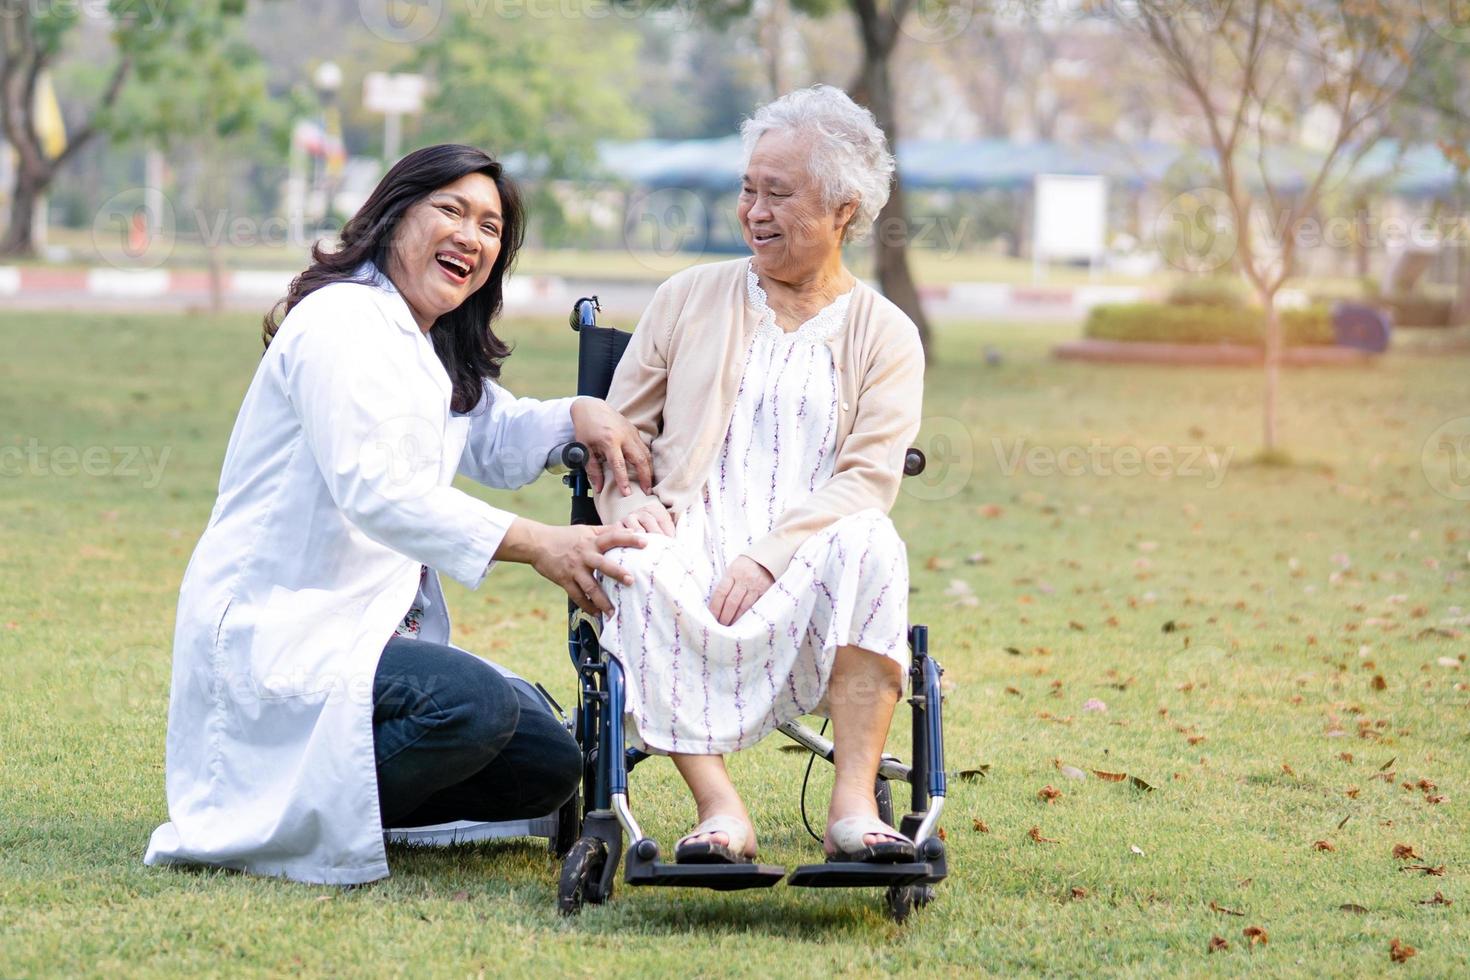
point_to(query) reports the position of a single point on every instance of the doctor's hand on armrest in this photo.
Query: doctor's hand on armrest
(745, 581)
(615, 446)
(569, 556)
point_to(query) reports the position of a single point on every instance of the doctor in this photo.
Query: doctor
(315, 699)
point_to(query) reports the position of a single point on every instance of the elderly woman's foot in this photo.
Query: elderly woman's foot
(719, 839)
(855, 832)
(725, 832)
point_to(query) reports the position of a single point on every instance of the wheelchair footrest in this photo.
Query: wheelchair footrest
(859, 874)
(720, 877)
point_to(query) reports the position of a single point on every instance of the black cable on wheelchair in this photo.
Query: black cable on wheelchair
(811, 758)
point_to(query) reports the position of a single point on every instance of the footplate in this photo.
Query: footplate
(644, 870)
(859, 874)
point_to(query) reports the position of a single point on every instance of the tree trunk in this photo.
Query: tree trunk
(874, 88)
(1273, 371)
(19, 240)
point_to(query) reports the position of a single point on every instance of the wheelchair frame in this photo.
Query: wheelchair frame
(590, 839)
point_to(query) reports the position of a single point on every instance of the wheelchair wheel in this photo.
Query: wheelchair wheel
(902, 900)
(581, 874)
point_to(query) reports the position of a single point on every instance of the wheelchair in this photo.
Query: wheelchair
(592, 827)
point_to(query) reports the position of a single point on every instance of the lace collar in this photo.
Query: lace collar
(827, 323)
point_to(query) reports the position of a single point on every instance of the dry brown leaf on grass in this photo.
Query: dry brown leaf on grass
(1353, 907)
(972, 775)
(1438, 899)
(1398, 952)
(1049, 793)
(1078, 892)
(1218, 944)
(1406, 852)
(1343, 822)
(1385, 767)
(1111, 777)
(1256, 935)
(1035, 834)
(981, 827)
(1217, 907)
(1323, 845)
(1437, 872)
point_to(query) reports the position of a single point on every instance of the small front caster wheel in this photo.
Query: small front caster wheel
(581, 876)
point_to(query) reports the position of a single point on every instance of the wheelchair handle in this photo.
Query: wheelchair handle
(584, 312)
(913, 461)
(567, 457)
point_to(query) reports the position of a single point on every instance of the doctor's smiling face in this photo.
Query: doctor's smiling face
(445, 246)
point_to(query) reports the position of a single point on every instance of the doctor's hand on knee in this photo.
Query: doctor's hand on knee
(615, 446)
(571, 557)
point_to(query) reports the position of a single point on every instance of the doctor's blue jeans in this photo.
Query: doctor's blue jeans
(457, 740)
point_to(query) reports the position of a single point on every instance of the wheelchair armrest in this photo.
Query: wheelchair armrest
(567, 457)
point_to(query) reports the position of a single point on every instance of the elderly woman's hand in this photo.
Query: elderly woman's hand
(653, 518)
(613, 442)
(745, 581)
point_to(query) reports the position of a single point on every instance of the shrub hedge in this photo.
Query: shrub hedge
(1201, 324)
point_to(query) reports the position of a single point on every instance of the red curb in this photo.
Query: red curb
(43, 280)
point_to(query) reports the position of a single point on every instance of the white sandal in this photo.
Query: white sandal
(847, 836)
(691, 851)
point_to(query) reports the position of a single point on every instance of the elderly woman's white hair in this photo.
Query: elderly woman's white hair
(850, 159)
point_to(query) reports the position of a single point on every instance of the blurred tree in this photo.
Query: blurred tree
(547, 88)
(1433, 103)
(211, 111)
(33, 39)
(1244, 64)
(541, 89)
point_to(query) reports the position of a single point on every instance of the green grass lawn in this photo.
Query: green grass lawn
(1279, 651)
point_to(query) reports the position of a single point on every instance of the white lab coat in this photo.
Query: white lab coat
(335, 489)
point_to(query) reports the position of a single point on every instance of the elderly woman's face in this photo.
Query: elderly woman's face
(789, 230)
(445, 247)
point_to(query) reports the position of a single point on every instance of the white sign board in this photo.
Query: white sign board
(1071, 217)
(396, 94)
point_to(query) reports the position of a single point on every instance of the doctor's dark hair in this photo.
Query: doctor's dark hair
(463, 338)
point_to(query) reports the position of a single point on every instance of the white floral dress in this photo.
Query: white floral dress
(697, 687)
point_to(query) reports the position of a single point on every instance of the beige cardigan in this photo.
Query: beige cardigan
(678, 380)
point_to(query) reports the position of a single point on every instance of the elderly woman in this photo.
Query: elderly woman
(778, 395)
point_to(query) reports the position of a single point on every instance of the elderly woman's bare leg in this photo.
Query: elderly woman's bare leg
(714, 796)
(861, 694)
